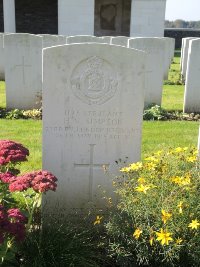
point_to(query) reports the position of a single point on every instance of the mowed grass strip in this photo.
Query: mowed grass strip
(173, 95)
(2, 95)
(28, 133)
(161, 134)
(156, 135)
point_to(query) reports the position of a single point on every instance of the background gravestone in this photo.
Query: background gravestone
(155, 49)
(52, 40)
(169, 54)
(23, 71)
(192, 83)
(185, 56)
(2, 69)
(98, 90)
(85, 39)
(120, 40)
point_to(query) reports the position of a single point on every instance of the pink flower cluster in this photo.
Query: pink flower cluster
(11, 151)
(12, 223)
(40, 181)
(7, 177)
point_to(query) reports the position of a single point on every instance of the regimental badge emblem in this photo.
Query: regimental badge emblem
(94, 81)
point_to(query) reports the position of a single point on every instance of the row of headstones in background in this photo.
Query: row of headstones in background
(192, 82)
(24, 74)
(2, 71)
(184, 56)
(97, 94)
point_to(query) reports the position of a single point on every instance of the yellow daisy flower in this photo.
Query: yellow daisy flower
(164, 237)
(165, 216)
(194, 224)
(137, 233)
(98, 220)
(142, 188)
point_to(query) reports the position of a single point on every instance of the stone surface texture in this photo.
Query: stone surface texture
(23, 71)
(185, 56)
(120, 40)
(192, 84)
(52, 40)
(112, 17)
(98, 91)
(2, 69)
(75, 17)
(147, 18)
(154, 68)
(85, 39)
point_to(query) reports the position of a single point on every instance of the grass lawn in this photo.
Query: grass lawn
(173, 95)
(2, 95)
(155, 135)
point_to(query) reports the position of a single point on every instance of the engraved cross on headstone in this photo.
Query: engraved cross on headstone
(23, 65)
(91, 165)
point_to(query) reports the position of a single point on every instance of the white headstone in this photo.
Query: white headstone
(120, 40)
(192, 83)
(106, 39)
(2, 70)
(53, 40)
(154, 67)
(182, 53)
(98, 92)
(185, 56)
(167, 55)
(23, 71)
(85, 39)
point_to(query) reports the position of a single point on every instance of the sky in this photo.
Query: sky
(183, 9)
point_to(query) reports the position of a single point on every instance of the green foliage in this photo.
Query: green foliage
(155, 112)
(17, 114)
(157, 221)
(2, 95)
(14, 114)
(68, 244)
(179, 23)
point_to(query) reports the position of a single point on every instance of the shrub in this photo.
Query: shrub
(155, 112)
(14, 223)
(157, 221)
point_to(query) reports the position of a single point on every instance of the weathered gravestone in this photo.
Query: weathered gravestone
(106, 39)
(85, 39)
(120, 40)
(2, 70)
(23, 71)
(154, 67)
(98, 93)
(169, 44)
(53, 40)
(185, 56)
(192, 84)
(182, 52)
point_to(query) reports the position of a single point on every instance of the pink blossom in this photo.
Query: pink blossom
(7, 177)
(40, 181)
(12, 222)
(11, 151)
(21, 183)
(16, 215)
